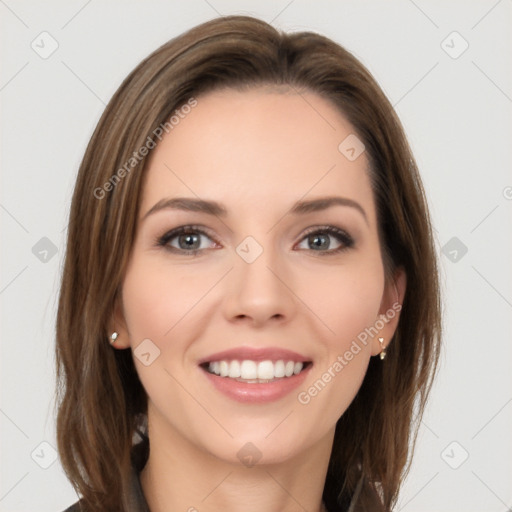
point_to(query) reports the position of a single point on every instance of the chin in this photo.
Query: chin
(256, 447)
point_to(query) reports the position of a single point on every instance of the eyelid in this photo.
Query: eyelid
(343, 236)
(183, 229)
(325, 227)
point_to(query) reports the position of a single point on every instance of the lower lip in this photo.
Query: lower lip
(257, 393)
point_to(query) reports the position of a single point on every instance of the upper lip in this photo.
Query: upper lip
(255, 354)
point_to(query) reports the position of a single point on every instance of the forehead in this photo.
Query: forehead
(262, 146)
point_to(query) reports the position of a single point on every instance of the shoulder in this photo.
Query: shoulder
(134, 494)
(365, 497)
(76, 507)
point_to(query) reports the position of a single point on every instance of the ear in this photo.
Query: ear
(389, 312)
(118, 324)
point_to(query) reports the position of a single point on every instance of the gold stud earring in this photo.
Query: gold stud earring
(113, 338)
(383, 351)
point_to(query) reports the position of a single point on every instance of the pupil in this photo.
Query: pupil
(319, 241)
(190, 241)
(316, 240)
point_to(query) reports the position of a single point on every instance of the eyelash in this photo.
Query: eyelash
(344, 238)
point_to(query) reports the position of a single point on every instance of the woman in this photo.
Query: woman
(249, 315)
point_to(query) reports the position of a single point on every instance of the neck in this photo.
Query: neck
(180, 476)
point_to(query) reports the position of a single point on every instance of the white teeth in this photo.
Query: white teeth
(279, 369)
(265, 370)
(234, 370)
(252, 370)
(224, 368)
(248, 370)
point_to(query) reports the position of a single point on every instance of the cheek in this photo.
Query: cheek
(349, 307)
(346, 299)
(158, 303)
(158, 298)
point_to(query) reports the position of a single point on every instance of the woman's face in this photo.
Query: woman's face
(277, 275)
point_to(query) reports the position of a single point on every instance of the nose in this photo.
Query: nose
(259, 292)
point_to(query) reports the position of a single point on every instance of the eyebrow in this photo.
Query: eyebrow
(214, 208)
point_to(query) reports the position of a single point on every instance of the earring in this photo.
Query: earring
(113, 338)
(383, 351)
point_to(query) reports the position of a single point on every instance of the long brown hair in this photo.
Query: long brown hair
(100, 399)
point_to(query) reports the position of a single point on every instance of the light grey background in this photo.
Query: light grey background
(457, 113)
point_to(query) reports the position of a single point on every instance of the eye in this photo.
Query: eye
(188, 240)
(185, 239)
(318, 239)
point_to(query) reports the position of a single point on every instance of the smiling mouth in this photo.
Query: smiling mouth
(256, 372)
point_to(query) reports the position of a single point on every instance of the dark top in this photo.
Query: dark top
(137, 501)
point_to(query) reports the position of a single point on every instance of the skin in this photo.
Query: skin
(257, 153)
